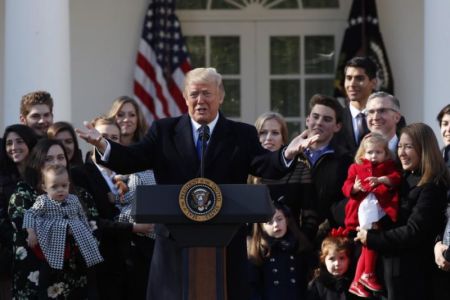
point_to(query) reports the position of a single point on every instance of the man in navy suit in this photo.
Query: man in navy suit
(233, 152)
(360, 82)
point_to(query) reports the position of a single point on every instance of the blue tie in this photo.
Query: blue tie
(361, 124)
(202, 131)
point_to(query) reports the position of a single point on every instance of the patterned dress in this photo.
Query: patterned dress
(68, 283)
(52, 220)
(125, 205)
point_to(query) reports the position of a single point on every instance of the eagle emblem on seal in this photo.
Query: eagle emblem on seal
(200, 199)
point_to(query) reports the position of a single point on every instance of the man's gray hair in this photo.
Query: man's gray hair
(394, 101)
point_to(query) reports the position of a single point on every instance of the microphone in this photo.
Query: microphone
(203, 135)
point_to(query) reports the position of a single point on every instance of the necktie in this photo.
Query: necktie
(203, 137)
(361, 126)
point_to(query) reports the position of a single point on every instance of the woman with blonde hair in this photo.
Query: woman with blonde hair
(407, 246)
(295, 189)
(272, 130)
(129, 117)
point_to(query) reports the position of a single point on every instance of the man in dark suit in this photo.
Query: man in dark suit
(360, 82)
(233, 152)
(383, 117)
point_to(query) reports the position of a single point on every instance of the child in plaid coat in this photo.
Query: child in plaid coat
(56, 217)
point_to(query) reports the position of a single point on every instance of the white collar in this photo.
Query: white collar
(392, 144)
(196, 126)
(354, 111)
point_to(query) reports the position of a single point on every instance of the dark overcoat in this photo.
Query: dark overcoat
(407, 249)
(168, 148)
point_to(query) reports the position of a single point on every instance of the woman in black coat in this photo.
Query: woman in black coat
(442, 284)
(407, 247)
(17, 142)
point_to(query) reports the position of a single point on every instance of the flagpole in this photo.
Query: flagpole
(363, 29)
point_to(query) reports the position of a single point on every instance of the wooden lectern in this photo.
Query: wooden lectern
(206, 241)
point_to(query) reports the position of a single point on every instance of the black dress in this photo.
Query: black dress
(407, 248)
(328, 287)
(283, 275)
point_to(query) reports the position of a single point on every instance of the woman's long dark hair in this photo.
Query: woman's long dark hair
(56, 128)
(7, 166)
(36, 162)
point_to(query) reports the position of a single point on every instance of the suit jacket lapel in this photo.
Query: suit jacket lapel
(349, 125)
(220, 140)
(185, 145)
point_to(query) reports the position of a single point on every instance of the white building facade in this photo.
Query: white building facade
(83, 52)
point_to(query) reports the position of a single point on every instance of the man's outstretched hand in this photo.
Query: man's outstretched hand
(299, 144)
(92, 136)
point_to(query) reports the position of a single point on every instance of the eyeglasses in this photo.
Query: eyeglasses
(381, 111)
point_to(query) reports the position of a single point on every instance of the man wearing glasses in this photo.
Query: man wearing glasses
(383, 115)
(360, 82)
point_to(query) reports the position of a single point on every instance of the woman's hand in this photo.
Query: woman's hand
(361, 236)
(357, 186)
(439, 250)
(143, 228)
(32, 238)
(373, 181)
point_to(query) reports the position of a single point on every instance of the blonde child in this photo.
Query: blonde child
(279, 256)
(371, 187)
(54, 218)
(332, 278)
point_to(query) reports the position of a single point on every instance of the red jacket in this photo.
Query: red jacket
(387, 196)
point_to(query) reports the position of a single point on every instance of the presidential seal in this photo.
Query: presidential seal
(200, 199)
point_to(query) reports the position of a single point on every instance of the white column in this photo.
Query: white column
(37, 55)
(436, 60)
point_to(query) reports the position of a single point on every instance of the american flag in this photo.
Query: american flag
(363, 38)
(161, 64)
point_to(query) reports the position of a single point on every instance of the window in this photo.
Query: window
(273, 56)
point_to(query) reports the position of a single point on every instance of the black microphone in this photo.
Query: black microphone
(203, 134)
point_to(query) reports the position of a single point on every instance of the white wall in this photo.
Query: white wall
(402, 27)
(104, 39)
(436, 59)
(105, 33)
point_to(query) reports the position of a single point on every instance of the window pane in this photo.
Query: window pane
(225, 54)
(319, 54)
(191, 4)
(196, 49)
(285, 97)
(231, 105)
(293, 129)
(284, 55)
(222, 4)
(320, 3)
(317, 86)
(286, 4)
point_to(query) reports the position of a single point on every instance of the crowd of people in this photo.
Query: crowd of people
(360, 199)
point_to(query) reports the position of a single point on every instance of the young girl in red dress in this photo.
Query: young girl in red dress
(371, 187)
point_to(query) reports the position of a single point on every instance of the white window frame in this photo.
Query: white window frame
(254, 25)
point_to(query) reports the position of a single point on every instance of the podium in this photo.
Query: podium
(206, 241)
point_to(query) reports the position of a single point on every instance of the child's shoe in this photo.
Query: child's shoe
(359, 290)
(369, 280)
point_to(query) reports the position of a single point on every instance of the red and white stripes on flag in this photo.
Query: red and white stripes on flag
(161, 64)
